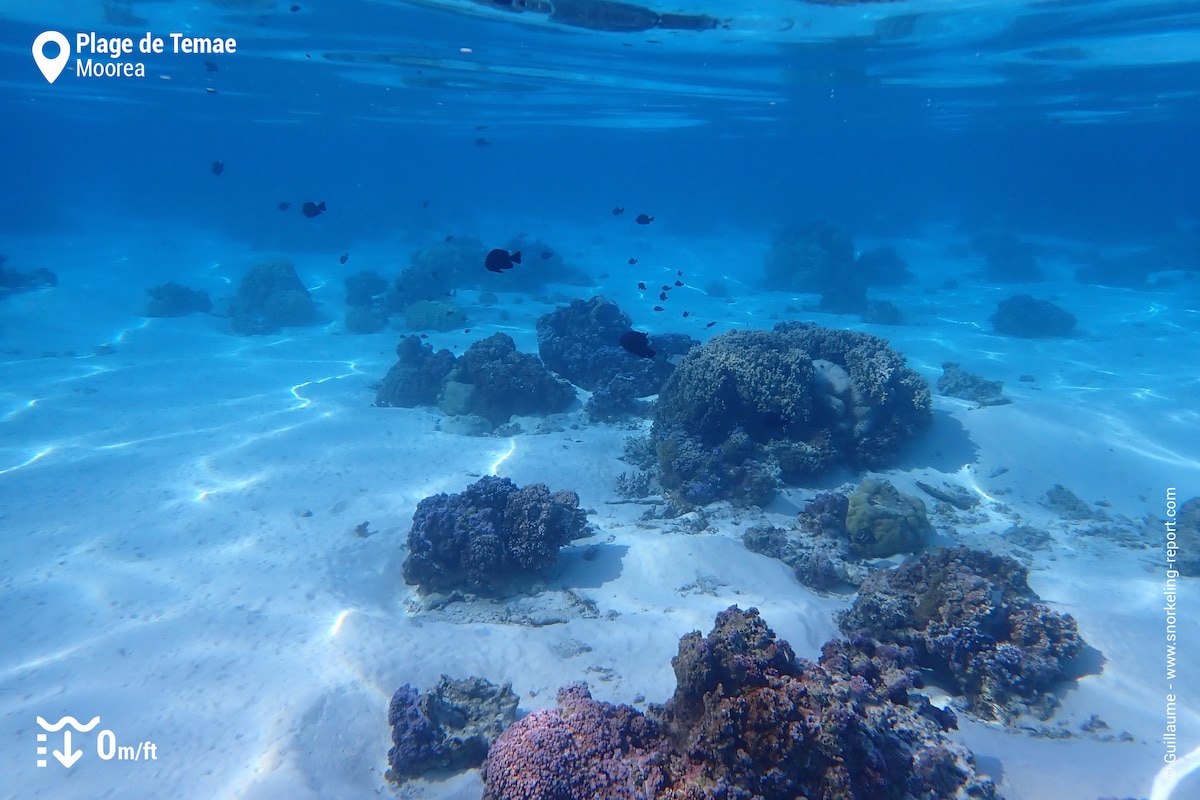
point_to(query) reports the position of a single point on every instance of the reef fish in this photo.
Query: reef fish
(218, 167)
(644, 219)
(499, 260)
(618, 210)
(345, 257)
(311, 209)
(637, 343)
(284, 205)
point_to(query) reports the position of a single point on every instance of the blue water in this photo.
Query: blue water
(1074, 126)
(1063, 117)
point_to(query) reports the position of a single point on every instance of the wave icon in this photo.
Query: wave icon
(68, 720)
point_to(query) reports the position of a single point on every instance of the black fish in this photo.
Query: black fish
(637, 343)
(210, 66)
(643, 219)
(642, 285)
(679, 283)
(284, 205)
(218, 167)
(499, 260)
(662, 296)
(345, 257)
(686, 313)
(546, 254)
(709, 325)
(618, 210)
(481, 142)
(311, 209)
(658, 308)
(632, 261)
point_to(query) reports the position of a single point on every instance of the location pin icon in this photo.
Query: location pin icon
(51, 67)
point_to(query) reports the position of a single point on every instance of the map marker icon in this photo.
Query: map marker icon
(51, 67)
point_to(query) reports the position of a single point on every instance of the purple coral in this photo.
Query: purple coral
(971, 617)
(748, 720)
(489, 535)
(583, 750)
(447, 728)
(415, 738)
(756, 720)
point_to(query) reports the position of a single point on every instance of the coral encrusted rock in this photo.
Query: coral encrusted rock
(490, 537)
(748, 721)
(449, 728)
(749, 409)
(972, 619)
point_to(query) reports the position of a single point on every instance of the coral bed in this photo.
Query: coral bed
(748, 721)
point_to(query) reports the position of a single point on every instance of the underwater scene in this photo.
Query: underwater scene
(600, 399)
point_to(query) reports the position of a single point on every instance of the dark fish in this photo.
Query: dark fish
(642, 285)
(687, 313)
(659, 308)
(644, 219)
(679, 283)
(546, 254)
(632, 261)
(449, 237)
(284, 205)
(424, 335)
(466, 330)
(424, 204)
(666, 288)
(499, 260)
(294, 9)
(210, 66)
(481, 127)
(709, 325)
(218, 167)
(481, 142)
(637, 343)
(662, 296)
(618, 210)
(345, 257)
(311, 209)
